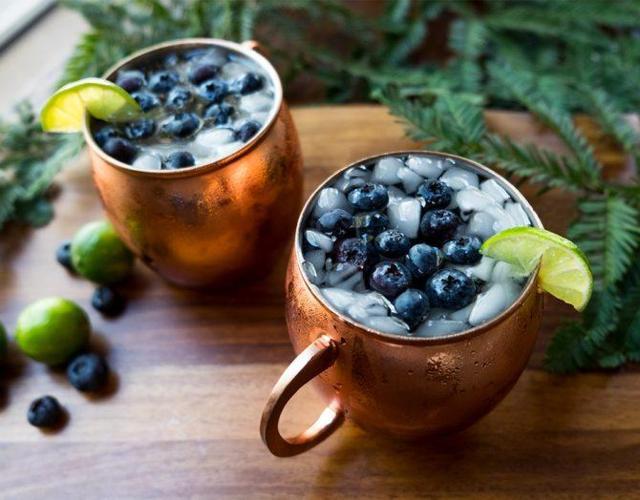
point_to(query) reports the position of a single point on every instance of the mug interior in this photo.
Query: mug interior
(475, 167)
(157, 51)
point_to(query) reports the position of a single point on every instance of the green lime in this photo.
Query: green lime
(564, 269)
(98, 254)
(64, 111)
(52, 330)
(3, 342)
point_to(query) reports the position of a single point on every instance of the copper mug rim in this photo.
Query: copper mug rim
(249, 49)
(405, 339)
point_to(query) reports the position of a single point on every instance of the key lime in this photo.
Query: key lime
(98, 254)
(52, 330)
(564, 269)
(64, 111)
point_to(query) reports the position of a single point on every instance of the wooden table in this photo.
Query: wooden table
(193, 371)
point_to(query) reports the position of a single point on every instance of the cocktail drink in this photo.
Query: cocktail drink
(200, 105)
(394, 244)
(204, 185)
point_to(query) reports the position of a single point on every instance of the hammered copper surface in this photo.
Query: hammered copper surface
(402, 386)
(214, 224)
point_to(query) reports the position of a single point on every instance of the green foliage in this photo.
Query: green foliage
(552, 58)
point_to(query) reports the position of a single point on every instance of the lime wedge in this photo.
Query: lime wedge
(564, 269)
(64, 111)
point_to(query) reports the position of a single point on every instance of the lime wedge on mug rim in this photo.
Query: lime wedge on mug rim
(64, 111)
(564, 269)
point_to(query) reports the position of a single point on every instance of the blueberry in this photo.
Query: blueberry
(336, 222)
(181, 124)
(369, 197)
(390, 278)
(436, 194)
(247, 131)
(219, 113)
(423, 260)
(463, 250)
(179, 159)
(45, 412)
(370, 224)
(63, 256)
(146, 100)
(163, 81)
(140, 129)
(451, 289)
(247, 84)
(104, 134)
(120, 149)
(178, 98)
(438, 226)
(88, 372)
(202, 71)
(355, 251)
(131, 81)
(213, 90)
(412, 306)
(392, 243)
(108, 301)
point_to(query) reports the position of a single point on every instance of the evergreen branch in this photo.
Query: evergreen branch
(607, 231)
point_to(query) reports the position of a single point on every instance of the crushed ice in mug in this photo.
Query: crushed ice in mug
(395, 245)
(199, 105)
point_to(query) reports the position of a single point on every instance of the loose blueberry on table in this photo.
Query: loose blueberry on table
(395, 245)
(199, 105)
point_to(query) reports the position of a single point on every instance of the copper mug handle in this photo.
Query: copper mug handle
(315, 359)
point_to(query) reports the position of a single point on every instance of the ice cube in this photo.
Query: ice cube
(386, 171)
(361, 171)
(405, 216)
(461, 314)
(437, 327)
(438, 313)
(340, 273)
(374, 299)
(481, 224)
(459, 178)
(316, 258)
(495, 190)
(215, 137)
(503, 271)
(517, 213)
(260, 117)
(148, 161)
(345, 185)
(214, 56)
(256, 102)
(387, 324)
(329, 199)
(492, 302)
(318, 240)
(482, 270)
(472, 199)
(352, 282)
(338, 298)
(315, 276)
(233, 70)
(425, 167)
(227, 149)
(410, 180)
(361, 314)
(502, 219)
(396, 195)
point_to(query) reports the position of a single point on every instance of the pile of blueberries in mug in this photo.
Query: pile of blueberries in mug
(395, 245)
(199, 105)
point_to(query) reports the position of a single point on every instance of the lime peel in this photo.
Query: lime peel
(65, 110)
(564, 269)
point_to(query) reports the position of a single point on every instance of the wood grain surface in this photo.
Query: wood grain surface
(193, 371)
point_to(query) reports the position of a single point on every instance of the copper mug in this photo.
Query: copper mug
(217, 223)
(399, 386)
